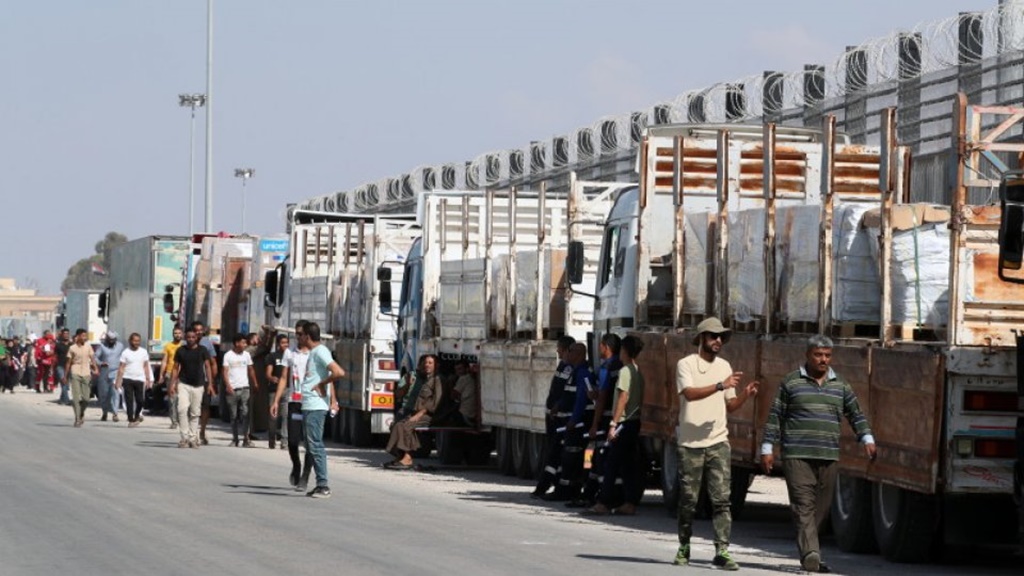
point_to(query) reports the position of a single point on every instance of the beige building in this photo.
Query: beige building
(25, 307)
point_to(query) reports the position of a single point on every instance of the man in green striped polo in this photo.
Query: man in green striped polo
(806, 417)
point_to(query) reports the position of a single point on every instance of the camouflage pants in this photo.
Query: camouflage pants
(694, 464)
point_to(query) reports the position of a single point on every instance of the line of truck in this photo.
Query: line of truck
(779, 232)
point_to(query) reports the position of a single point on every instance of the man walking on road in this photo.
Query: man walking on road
(167, 371)
(321, 371)
(134, 377)
(108, 356)
(81, 365)
(806, 418)
(276, 375)
(239, 376)
(707, 392)
(190, 377)
(211, 388)
(62, 346)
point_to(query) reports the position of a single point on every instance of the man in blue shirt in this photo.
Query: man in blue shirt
(321, 370)
(607, 378)
(582, 415)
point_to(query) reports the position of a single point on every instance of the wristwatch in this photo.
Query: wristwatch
(719, 386)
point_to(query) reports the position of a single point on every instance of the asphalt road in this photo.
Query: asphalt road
(106, 499)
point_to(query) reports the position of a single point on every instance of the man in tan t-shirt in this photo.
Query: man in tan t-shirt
(81, 367)
(707, 392)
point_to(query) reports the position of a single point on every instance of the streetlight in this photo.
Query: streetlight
(192, 101)
(244, 174)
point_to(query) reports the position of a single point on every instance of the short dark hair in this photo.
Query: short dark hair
(565, 341)
(301, 324)
(134, 335)
(462, 362)
(312, 329)
(612, 341)
(632, 345)
(280, 337)
(78, 332)
(197, 324)
(240, 338)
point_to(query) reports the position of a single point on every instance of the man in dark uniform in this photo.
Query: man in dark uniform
(557, 415)
(607, 378)
(579, 422)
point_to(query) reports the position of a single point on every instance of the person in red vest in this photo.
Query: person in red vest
(46, 357)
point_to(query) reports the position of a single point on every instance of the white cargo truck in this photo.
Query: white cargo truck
(81, 309)
(338, 266)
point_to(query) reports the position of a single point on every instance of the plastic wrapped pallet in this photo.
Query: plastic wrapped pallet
(796, 260)
(920, 262)
(696, 258)
(857, 289)
(746, 264)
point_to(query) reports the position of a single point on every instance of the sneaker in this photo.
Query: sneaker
(320, 492)
(183, 443)
(682, 555)
(301, 486)
(78, 423)
(139, 419)
(115, 418)
(724, 561)
(194, 444)
(246, 444)
(204, 441)
(104, 417)
(293, 478)
(811, 562)
(173, 426)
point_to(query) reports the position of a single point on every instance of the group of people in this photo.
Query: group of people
(805, 418)
(32, 364)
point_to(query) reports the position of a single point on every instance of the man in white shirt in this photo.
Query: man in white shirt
(239, 375)
(134, 373)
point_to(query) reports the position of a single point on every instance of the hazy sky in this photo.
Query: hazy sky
(324, 95)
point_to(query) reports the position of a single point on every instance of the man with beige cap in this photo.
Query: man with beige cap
(707, 392)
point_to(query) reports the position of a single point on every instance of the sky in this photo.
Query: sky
(324, 95)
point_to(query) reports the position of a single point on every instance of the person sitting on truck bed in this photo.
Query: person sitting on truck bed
(420, 404)
(464, 395)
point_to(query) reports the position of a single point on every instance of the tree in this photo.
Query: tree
(91, 273)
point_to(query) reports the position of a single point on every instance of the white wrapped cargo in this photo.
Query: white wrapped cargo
(857, 288)
(796, 261)
(920, 262)
(697, 261)
(746, 264)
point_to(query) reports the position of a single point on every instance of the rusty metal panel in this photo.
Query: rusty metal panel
(988, 309)
(853, 363)
(778, 358)
(906, 395)
(660, 405)
(743, 352)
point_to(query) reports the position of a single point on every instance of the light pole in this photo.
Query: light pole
(209, 116)
(193, 101)
(244, 174)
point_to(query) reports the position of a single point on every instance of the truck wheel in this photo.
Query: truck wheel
(670, 477)
(521, 454)
(503, 444)
(852, 520)
(739, 486)
(904, 523)
(359, 429)
(450, 447)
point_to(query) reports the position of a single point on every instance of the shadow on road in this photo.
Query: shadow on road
(262, 490)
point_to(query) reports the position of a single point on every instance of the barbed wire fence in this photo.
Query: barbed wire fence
(919, 71)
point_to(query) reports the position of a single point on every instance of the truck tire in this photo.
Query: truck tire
(359, 434)
(670, 477)
(904, 523)
(450, 447)
(741, 479)
(503, 444)
(521, 454)
(852, 520)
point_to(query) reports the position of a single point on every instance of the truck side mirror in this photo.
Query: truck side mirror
(61, 321)
(1011, 225)
(574, 262)
(169, 303)
(103, 305)
(270, 282)
(384, 291)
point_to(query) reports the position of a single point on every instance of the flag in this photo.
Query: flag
(98, 270)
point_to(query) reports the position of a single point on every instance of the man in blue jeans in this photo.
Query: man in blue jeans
(321, 370)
